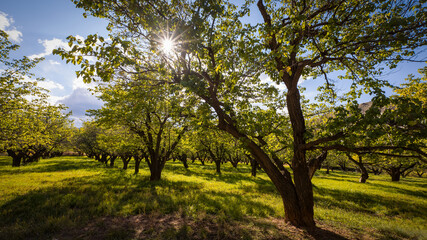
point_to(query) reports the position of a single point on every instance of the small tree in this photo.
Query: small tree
(159, 116)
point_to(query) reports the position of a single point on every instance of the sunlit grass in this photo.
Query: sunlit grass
(55, 194)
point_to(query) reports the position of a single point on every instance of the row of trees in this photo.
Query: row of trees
(106, 144)
(216, 58)
(30, 127)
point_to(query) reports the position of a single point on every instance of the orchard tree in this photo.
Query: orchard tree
(158, 115)
(217, 146)
(129, 146)
(85, 140)
(204, 47)
(38, 131)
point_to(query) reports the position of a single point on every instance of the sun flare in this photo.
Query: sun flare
(168, 46)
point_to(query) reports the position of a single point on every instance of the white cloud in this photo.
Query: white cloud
(49, 46)
(78, 83)
(52, 62)
(50, 85)
(46, 84)
(79, 101)
(55, 99)
(6, 25)
(266, 79)
(281, 86)
(303, 79)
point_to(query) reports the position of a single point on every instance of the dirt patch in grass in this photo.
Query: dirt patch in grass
(178, 226)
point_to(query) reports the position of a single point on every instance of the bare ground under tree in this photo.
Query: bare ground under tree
(179, 226)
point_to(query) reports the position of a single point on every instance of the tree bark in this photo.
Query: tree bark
(112, 159)
(183, 159)
(316, 163)
(283, 183)
(254, 166)
(125, 165)
(297, 195)
(16, 158)
(125, 161)
(156, 164)
(395, 174)
(137, 163)
(364, 175)
(302, 180)
(155, 172)
(218, 166)
(361, 166)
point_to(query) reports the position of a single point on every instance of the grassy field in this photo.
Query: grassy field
(77, 198)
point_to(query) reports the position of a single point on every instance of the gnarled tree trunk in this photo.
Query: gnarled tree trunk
(16, 158)
(361, 166)
(394, 173)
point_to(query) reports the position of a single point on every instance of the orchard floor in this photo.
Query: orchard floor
(78, 198)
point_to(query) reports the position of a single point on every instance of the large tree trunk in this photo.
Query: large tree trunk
(16, 161)
(284, 185)
(16, 158)
(395, 174)
(156, 166)
(155, 171)
(302, 180)
(297, 197)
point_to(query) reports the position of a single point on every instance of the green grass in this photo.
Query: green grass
(60, 195)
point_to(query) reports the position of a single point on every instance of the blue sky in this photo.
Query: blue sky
(39, 26)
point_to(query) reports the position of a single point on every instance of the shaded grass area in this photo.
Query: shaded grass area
(76, 197)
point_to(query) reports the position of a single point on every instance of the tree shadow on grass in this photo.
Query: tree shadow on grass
(229, 175)
(5, 161)
(380, 184)
(75, 201)
(350, 179)
(324, 234)
(395, 189)
(366, 203)
(53, 165)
